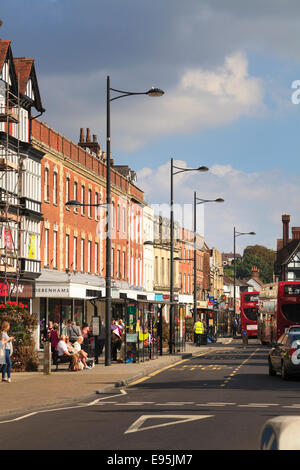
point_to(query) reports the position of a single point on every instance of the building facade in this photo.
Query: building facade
(148, 232)
(287, 261)
(20, 178)
(73, 238)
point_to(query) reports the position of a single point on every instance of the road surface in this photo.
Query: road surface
(217, 400)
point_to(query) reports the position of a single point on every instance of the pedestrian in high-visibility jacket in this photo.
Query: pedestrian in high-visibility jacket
(199, 330)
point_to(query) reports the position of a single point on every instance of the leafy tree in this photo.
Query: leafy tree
(261, 257)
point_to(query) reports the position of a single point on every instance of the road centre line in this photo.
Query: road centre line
(152, 374)
(237, 368)
(258, 405)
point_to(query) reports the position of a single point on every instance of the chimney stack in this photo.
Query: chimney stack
(285, 223)
(81, 138)
(88, 135)
(254, 272)
(93, 146)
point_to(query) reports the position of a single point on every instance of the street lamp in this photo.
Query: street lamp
(175, 170)
(235, 235)
(198, 201)
(81, 204)
(153, 92)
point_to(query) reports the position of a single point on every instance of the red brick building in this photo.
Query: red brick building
(73, 239)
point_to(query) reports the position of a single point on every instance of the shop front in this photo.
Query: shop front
(60, 297)
(19, 291)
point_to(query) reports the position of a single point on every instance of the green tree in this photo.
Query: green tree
(261, 257)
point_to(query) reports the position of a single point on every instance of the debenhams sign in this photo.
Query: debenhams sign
(52, 291)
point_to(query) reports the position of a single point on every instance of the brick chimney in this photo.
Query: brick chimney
(93, 145)
(295, 233)
(81, 138)
(285, 223)
(255, 273)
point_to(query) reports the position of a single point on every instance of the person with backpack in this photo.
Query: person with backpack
(73, 331)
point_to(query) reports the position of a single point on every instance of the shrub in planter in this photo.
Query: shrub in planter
(22, 325)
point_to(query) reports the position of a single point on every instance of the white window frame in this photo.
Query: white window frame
(82, 255)
(74, 253)
(67, 253)
(89, 255)
(54, 249)
(46, 247)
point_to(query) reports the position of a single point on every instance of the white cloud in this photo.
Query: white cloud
(201, 99)
(253, 201)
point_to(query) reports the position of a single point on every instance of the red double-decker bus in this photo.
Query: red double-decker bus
(249, 313)
(279, 307)
(288, 307)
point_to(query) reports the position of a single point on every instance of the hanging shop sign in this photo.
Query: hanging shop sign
(31, 246)
(8, 242)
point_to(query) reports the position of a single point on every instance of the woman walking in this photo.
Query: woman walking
(8, 348)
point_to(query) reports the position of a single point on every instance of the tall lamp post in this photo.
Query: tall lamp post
(153, 92)
(198, 201)
(235, 235)
(175, 170)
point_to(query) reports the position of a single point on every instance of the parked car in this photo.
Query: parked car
(284, 356)
(294, 329)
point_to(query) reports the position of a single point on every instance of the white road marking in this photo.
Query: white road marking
(179, 419)
(66, 408)
(136, 403)
(258, 405)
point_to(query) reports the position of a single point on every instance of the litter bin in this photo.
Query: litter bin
(203, 339)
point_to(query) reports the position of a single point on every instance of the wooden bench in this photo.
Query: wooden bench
(60, 360)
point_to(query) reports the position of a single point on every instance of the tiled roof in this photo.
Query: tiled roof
(4, 45)
(23, 68)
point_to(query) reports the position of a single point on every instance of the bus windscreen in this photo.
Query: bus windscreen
(251, 298)
(291, 312)
(251, 313)
(292, 289)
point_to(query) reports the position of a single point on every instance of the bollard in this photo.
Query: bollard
(245, 339)
(47, 358)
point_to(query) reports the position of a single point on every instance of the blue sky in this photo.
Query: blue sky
(226, 68)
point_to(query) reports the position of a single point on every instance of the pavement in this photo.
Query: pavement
(29, 391)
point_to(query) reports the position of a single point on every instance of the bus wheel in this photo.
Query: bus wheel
(284, 374)
(272, 372)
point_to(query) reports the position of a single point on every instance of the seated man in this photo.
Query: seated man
(64, 355)
(81, 353)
